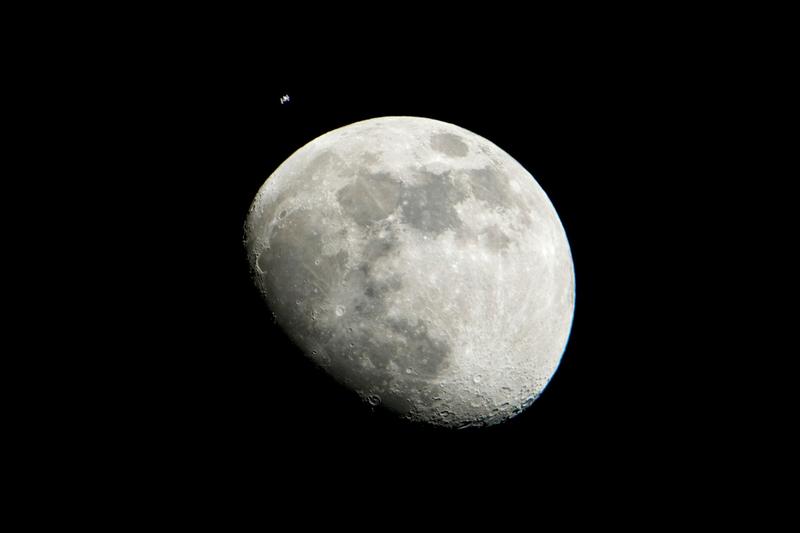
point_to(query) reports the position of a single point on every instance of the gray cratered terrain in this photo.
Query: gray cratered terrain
(420, 265)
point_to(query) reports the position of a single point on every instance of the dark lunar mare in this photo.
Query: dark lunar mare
(366, 349)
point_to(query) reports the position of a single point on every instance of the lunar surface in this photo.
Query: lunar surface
(420, 265)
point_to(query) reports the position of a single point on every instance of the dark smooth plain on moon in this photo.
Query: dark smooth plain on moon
(420, 265)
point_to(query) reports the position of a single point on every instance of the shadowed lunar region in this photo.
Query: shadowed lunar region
(418, 264)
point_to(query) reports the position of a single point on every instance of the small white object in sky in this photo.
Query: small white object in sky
(285, 98)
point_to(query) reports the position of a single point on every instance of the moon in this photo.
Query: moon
(420, 265)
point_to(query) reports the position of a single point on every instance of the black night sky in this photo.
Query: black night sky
(155, 382)
(583, 129)
(215, 390)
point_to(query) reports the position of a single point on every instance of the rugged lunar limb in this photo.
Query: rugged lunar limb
(420, 265)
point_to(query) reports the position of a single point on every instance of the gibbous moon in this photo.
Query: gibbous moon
(420, 265)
